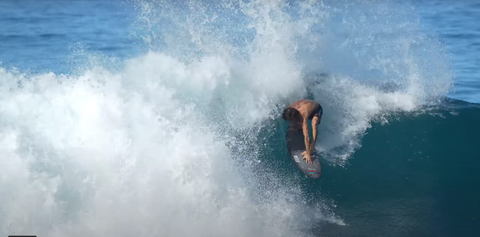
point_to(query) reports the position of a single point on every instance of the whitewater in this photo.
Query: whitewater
(169, 143)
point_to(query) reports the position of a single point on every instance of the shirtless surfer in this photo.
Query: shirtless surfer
(298, 115)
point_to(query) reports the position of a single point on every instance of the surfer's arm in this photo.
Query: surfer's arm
(314, 133)
(307, 137)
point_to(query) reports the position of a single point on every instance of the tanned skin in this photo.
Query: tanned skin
(305, 107)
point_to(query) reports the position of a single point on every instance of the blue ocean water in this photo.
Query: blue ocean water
(453, 22)
(162, 118)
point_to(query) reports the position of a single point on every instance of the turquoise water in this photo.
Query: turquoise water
(162, 118)
(412, 177)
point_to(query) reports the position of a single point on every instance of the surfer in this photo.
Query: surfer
(298, 115)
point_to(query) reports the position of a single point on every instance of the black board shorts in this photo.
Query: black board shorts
(316, 112)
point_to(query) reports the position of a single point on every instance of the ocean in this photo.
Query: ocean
(163, 118)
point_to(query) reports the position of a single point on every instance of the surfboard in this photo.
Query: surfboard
(295, 146)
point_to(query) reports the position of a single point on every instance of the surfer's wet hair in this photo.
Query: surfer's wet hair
(290, 114)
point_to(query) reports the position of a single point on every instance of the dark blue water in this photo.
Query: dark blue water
(85, 84)
(416, 176)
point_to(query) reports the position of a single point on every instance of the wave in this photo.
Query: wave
(170, 143)
(410, 174)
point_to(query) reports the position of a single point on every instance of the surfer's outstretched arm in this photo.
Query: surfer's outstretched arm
(305, 134)
(306, 153)
(315, 121)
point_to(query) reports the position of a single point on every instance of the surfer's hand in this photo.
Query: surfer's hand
(306, 157)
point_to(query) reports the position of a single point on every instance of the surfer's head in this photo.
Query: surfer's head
(290, 114)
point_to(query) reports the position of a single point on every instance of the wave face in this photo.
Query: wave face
(415, 176)
(174, 142)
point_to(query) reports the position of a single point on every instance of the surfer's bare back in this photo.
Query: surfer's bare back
(298, 114)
